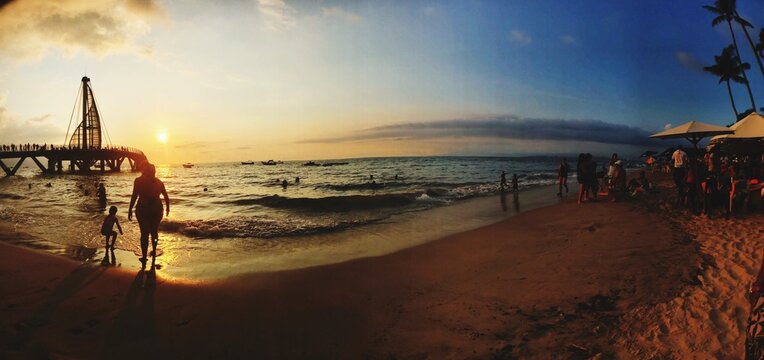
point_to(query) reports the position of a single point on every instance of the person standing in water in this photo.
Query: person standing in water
(562, 176)
(148, 211)
(514, 183)
(101, 194)
(503, 181)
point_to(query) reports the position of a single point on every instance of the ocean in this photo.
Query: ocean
(231, 218)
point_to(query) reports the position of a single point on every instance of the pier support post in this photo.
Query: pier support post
(18, 165)
(5, 168)
(39, 164)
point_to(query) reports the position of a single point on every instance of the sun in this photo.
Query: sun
(162, 136)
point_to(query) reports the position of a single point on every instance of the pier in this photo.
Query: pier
(84, 152)
(50, 158)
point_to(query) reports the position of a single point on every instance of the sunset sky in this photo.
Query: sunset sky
(271, 79)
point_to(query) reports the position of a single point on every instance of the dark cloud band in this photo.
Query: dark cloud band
(507, 127)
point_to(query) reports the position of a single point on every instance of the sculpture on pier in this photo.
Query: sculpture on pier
(87, 135)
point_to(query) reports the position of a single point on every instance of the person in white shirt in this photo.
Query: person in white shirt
(679, 160)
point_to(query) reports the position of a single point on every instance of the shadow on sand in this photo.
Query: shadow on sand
(134, 332)
(78, 279)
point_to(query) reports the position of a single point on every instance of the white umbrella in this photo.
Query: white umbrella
(693, 131)
(749, 127)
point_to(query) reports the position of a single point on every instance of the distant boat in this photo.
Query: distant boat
(188, 165)
(311, 163)
(334, 163)
(271, 162)
(248, 162)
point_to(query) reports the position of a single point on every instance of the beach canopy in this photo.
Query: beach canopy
(693, 131)
(749, 127)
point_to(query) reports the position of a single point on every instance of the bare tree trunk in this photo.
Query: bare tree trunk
(753, 47)
(732, 99)
(747, 84)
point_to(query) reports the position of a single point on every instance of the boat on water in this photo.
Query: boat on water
(311, 163)
(248, 162)
(271, 162)
(188, 165)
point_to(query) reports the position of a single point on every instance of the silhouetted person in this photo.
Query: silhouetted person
(146, 189)
(562, 176)
(679, 161)
(107, 229)
(514, 183)
(503, 181)
(101, 194)
(297, 180)
(284, 184)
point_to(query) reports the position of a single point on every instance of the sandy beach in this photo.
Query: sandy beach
(563, 281)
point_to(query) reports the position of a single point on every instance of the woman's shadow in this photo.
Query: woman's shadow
(134, 330)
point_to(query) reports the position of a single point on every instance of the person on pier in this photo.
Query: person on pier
(148, 211)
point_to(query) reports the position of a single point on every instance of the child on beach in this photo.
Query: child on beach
(107, 229)
(514, 183)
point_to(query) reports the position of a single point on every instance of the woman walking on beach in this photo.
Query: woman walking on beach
(146, 189)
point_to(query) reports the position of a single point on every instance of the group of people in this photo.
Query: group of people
(36, 147)
(503, 182)
(612, 177)
(147, 189)
(712, 181)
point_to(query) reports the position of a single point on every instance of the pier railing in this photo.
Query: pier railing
(80, 159)
(15, 148)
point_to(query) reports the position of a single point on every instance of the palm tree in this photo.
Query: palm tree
(760, 45)
(727, 67)
(745, 25)
(726, 11)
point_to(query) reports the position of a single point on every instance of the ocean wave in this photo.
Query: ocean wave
(256, 227)
(331, 203)
(364, 186)
(11, 196)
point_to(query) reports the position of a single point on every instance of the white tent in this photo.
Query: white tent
(749, 127)
(693, 131)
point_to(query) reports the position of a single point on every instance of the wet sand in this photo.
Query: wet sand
(564, 281)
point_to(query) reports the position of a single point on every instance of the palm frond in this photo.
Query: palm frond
(719, 19)
(742, 21)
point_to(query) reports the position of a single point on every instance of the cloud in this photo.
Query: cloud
(505, 127)
(688, 61)
(29, 28)
(519, 37)
(197, 144)
(40, 119)
(340, 13)
(567, 39)
(13, 131)
(277, 14)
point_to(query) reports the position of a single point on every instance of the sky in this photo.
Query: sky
(208, 81)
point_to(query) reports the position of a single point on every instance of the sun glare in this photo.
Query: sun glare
(162, 137)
